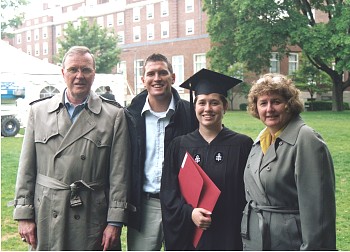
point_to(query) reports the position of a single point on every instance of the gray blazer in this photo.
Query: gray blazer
(290, 193)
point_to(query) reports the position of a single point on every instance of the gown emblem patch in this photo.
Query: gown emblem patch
(219, 157)
(197, 158)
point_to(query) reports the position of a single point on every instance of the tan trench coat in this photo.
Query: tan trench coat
(94, 149)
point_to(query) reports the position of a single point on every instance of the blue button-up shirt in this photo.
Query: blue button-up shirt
(155, 133)
(73, 110)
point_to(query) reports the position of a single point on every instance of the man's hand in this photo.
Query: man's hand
(201, 218)
(27, 231)
(111, 237)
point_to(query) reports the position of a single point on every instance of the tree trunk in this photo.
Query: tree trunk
(337, 95)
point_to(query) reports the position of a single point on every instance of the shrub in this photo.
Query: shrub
(243, 106)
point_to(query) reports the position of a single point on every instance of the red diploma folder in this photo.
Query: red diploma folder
(197, 189)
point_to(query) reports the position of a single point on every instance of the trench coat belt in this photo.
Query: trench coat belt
(59, 185)
(263, 225)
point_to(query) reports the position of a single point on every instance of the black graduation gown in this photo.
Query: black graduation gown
(224, 161)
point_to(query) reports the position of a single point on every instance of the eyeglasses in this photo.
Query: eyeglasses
(84, 71)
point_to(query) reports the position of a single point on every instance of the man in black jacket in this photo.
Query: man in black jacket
(159, 115)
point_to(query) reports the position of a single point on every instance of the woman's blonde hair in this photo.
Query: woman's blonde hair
(272, 83)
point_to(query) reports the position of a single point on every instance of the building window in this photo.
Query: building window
(19, 38)
(164, 8)
(44, 31)
(150, 11)
(29, 36)
(137, 33)
(110, 20)
(178, 68)
(37, 49)
(199, 61)
(190, 27)
(45, 48)
(100, 21)
(58, 47)
(150, 31)
(274, 63)
(58, 30)
(164, 26)
(121, 37)
(36, 34)
(36, 21)
(138, 66)
(189, 6)
(292, 63)
(44, 19)
(136, 14)
(120, 18)
(29, 49)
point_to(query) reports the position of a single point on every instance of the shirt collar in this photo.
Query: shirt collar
(68, 103)
(147, 106)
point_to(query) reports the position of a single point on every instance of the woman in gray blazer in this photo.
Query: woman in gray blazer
(289, 176)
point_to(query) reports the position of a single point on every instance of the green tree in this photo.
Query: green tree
(309, 78)
(247, 31)
(10, 17)
(101, 42)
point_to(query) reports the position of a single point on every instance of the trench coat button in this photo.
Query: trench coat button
(77, 216)
(54, 214)
(280, 143)
(268, 168)
(83, 157)
(248, 166)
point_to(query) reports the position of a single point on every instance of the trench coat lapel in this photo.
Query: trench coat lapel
(83, 125)
(255, 160)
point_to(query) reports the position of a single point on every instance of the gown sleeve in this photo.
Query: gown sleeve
(176, 214)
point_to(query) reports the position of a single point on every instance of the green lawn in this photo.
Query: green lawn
(333, 126)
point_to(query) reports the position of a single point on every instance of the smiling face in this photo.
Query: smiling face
(272, 110)
(210, 110)
(158, 79)
(79, 75)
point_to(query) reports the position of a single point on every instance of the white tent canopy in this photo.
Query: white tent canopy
(14, 61)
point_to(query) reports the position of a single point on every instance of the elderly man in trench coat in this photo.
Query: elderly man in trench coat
(71, 191)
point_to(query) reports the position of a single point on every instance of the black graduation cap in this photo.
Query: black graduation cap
(206, 82)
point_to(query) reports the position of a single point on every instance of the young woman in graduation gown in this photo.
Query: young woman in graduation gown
(222, 154)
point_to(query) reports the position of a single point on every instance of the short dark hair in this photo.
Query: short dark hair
(108, 88)
(157, 57)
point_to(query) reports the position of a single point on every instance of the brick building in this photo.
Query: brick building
(175, 28)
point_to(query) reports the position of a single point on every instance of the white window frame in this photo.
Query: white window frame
(110, 20)
(178, 63)
(37, 49)
(29, 36)
(29, 49)
(190, 27)
(136, 33)
(100, 21)
(58, 30)
(293, 63)
(138, 66)
(150, 31)
(45, 48)
(19, 38)
(36, 34)
(121, 37)
(164, 29)
(44, 32)
(136, 14)
(274, 60)
(189, 6)
(149, 11)
(199, 61)
(164, 8)
(120, 18)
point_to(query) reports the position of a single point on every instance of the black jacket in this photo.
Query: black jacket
(182, 122)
